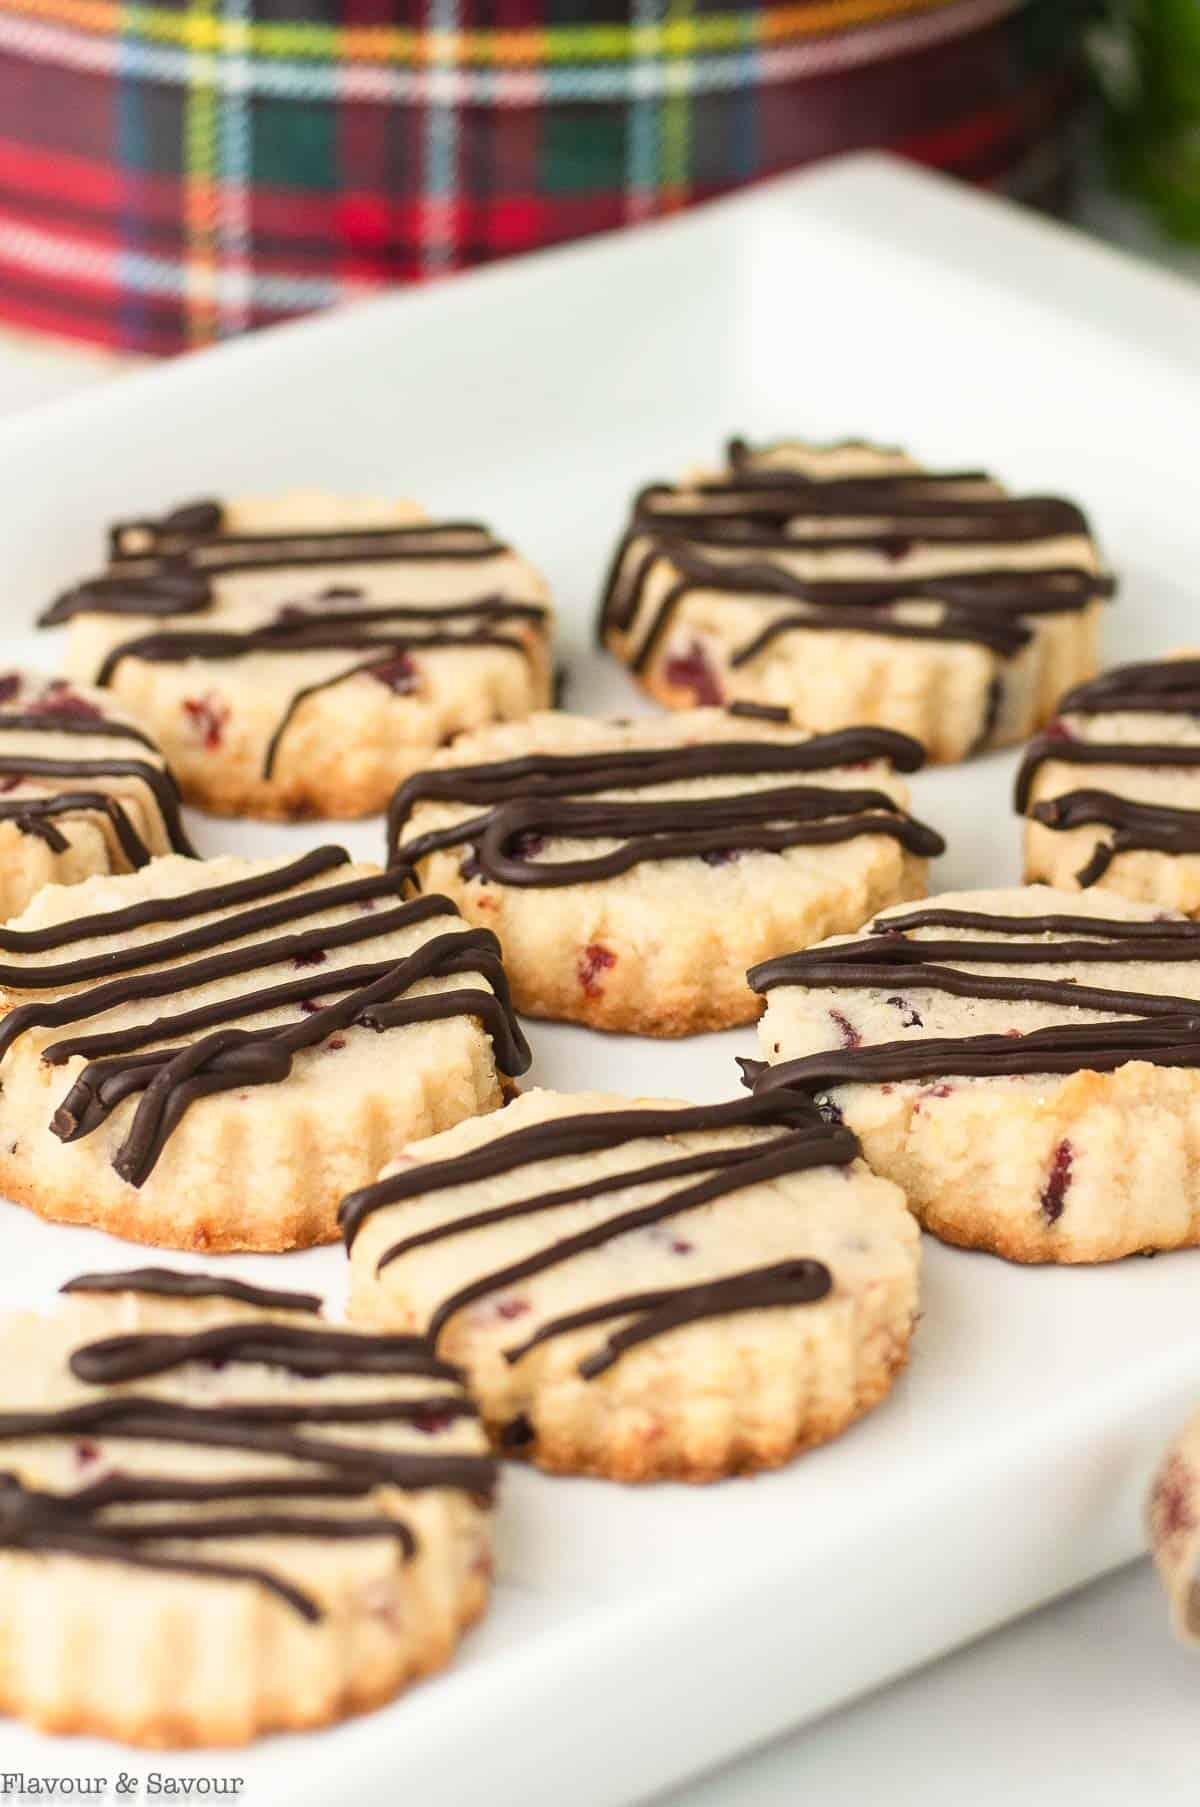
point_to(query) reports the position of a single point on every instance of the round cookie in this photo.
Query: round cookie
(645, 1290)
(221, 1515)
(850, 586)
(1111, 791)
(633, 870)
(191, 1055)
(82, 789)
(1023, 1063)
(298, 656)
(1173, 1524)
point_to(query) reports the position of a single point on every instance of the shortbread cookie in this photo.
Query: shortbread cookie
(644, 1289)
(851, 586)
(300, 656)
(190, 1055)
(1022, 1062)
(221, 1515)
(1112, 788)
(1173, 1523)
(82, 789)
(633, 870)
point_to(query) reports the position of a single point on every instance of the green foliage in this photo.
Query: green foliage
(1147, 57)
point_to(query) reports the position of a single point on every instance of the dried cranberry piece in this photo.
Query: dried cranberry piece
(512, 1308)
(86, 1453)
(1171, 1501)
(1054, 1192)
(431, 1422)
(11, 780)
(10, 683)
(594, 960)
(398, 674)
(898, 548)
(59, 699)
(208, 716)
(335, 1042)
(314, 957)
(845, 1028)
(692, 671)
(1058, 730)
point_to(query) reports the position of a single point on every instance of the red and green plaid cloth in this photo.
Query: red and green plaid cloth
(177, 171)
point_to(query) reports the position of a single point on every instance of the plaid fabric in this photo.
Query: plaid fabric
(181, 170)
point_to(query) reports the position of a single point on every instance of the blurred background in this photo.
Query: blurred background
(178, 172)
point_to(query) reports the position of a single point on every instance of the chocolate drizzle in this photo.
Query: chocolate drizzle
(1164, 1030)
(171, 572)
(803, 1141)
(61, 714)
(169, 1283)
(731, 536)
(800, 1282)
(165, 568)
(87, 1523)
(126, 1062)
(1162, 687)
(528, 800)
(308, 629)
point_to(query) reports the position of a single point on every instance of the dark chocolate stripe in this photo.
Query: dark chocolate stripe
(186, 522)
(792, 1152)
(153, 1420)
(577, 1135)
(232, 926)
(1163, 1029)
(171, 1078)
(331, 1469)
(884, 507)
(790, 1283)
(49, 1524)
(299, 630)
(919, 976)
(93, 727)
(170, 1283)
(1159, 687)
(268, 551)
(30, 814)
(173, 909)
(1053, 746)
(989, 608)
(803, 1142)
(305, 629)
(537, 797)
(1138, 827)
(295, 1348)
(892, 951)
(760, 712)
(1068, 1048)
(1118, 928)
(157, 780)
(174, 576)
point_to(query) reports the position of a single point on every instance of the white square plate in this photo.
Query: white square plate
(640, 1636)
